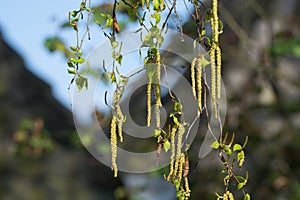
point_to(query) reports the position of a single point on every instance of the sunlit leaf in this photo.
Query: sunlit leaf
(167, 145)
(81, 82)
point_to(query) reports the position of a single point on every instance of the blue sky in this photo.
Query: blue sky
(25, 25)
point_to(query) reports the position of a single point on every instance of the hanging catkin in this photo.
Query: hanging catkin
(149, 103)
(113, 144)
(199, 83)
(157, 90)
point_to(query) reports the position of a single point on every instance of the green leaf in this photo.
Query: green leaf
(109, 22)
(175, 120)
(237, 147)
(156, 4)
(73, 13)
(215, 145)
(241, 155)
(204, 62)
(157, 18)
(113, 77)
(156, 133)
(167, 145)
(247, 197)
(154, 30)
(71, 71)
(241, 179)
(73, 48)
(81, 82)
(114, 44)
(99, 17)
(227, 150)
(177, 185)
(160, 40)
(119, 59)
(240, 185)
(177, 106)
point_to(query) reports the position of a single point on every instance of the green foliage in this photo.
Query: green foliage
(32, 140)
(283, 47)
(57, 44)
(229, 161)
(107, 16)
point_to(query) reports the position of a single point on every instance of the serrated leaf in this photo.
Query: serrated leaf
(81, 82)
(237, 147)
(167, 145)
(215, 145)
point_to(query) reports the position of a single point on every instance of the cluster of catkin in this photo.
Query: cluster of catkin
(196, 80)
(228, 196)
(154, 82)
(179, 164)
(116, 126)
(215, 57)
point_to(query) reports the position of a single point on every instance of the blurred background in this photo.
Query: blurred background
(41, 156)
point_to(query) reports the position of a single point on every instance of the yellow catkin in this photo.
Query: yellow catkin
(213, 80)
(199, 83)
(157, 115)
(187, 188)
(228, 196)
(173, 132)
(149, 103)
(181, 131)
(181, 167)
(193, 64)
(219, 62)
(157, 90)
(215, 26)
(120, 120)
(113, 143)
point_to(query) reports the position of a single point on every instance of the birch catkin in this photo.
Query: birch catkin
(113, 143)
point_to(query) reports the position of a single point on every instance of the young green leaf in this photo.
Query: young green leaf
(247, 197)
(215, 145)
(167, 145)
(241, 185)
(81, 82)
(156, 133)
(237, 147)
